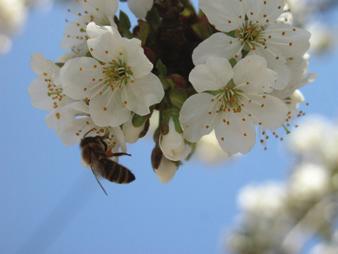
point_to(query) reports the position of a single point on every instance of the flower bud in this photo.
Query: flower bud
(179, 80)
(131, 132)
(140, 8)
(173, 144)
(166, 170)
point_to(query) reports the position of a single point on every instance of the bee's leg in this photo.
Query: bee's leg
(118, 154)
(98, 181)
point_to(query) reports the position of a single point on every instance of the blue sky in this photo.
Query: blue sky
(51, 204)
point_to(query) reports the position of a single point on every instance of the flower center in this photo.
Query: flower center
(117, 74)
(55, 93)
(229, 99)
(250, 35)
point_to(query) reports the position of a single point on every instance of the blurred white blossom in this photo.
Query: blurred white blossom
(264, 200)
(209, 150)
(12, 17)
(309, 181)
(323, 38)
(285, 217)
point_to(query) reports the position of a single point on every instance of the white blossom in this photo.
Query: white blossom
(140, 8)
(12, 18)
(256, 29)
(46, 91)
(117, 80)
(309, 181)
(5, 44)
(263, 200)
(173, 144)
(75, 123)
(101, 12)
(232, 101)
(299, 76)
(316, 140)
(166, 170)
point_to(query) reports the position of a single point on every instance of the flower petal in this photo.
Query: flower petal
(213, 75)
(94, 31)
(218, 44)
(80, 76)
(264, 12)
(71, 122)
(41, 97)
(268, 111)
(198, 116)
(136, 59)
(106, 109)
(166, 170)
(142, 93)
(226, 15)
(44, 67)
(38, 92)
(75, 36)
(290, 41)
(132, 133)
(253, 75)
(106, 47)
(101, 10)
(278, 64)
(235, 135)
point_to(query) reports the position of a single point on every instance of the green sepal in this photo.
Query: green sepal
(233, 62)
(138, 120)
(202, 29)
(193, 149)
(177, 124)
(143, 31)
(177, 97)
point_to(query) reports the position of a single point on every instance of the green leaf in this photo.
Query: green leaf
(154, 18)
(124, 21)
(124, 25)
(161, 68)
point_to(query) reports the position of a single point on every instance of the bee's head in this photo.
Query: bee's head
(97, 140)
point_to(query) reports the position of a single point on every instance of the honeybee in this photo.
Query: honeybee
(97, 155)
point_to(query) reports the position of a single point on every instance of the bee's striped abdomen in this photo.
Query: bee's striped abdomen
(115, 172)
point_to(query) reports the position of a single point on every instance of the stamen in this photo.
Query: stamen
(117, 74)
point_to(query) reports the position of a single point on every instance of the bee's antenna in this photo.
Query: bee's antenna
(98, 181)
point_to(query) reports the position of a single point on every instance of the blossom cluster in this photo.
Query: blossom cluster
(315, 16)
(232, 71)
(284, 217)
(13, 15)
